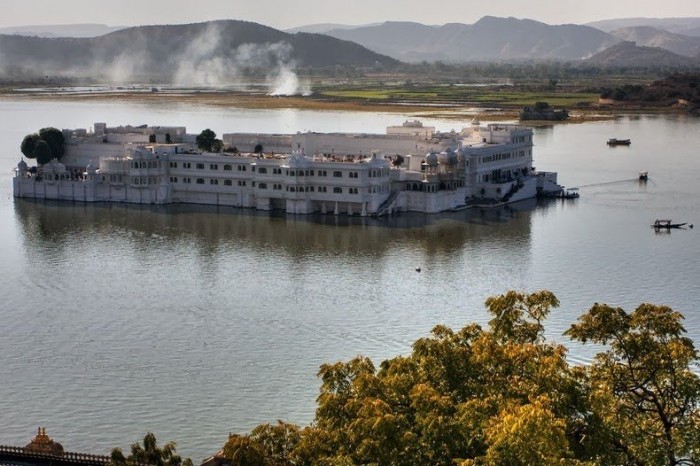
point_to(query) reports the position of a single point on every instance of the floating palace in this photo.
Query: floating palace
(410, 168)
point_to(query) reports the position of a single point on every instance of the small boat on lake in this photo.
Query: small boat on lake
(619, 142)
(666, 224)
(571, 193)
(644, 175)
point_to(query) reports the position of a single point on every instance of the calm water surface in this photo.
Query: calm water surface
(193, 322)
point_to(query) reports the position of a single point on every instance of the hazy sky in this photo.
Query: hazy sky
(283, 14)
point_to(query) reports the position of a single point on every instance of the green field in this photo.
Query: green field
(500, 96)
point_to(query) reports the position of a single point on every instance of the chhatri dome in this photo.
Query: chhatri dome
(43, 444)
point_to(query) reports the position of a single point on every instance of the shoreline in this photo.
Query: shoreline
(259, 101)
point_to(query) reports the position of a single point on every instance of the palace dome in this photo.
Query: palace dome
(449, 157)
(374, 160)
(43, 444)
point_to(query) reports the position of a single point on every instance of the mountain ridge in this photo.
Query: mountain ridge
(629, 55)
(61, 30)
(649, 36)
(490, 38)
(198, 53)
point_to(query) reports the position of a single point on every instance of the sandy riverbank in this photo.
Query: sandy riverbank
(248, 100)
(243, 100)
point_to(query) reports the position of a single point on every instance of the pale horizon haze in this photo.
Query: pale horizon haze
(286, 14)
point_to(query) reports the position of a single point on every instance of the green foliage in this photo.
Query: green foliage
(268, 445)
(54, 138)
(666, 91)
(519, 316)
(503, 395)
(43, 146)
(241, 450)
(28, 144)
(42, 152)
(217, 145)
(528, 434)
(149, 454)
(205, 140)
(642, 387)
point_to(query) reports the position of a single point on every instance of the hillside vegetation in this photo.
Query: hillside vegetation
(665, 92)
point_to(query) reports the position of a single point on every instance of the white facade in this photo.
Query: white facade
(412, 169)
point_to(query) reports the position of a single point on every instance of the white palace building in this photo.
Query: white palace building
(410, 168)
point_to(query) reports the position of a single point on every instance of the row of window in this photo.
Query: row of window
(495, 158)
(276, 186)
(145, 164)
(498, 176)
(321, 189)
(212, 181)
(278, 171)
(142, 180)
(212, 166)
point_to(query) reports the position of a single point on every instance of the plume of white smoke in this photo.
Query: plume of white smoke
(286, 82)
(276, 57)
(205, 62)
(201, 65)
(123, 68)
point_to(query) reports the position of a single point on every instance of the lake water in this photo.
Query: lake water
(194, 322)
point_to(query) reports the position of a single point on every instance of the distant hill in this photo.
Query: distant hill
(652, 37)
(489, 38)
(323, 28)
(202, 53)
(627, 54)
(62, 30)
(686, 26)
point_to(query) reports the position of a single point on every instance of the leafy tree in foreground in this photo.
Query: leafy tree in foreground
(242, 451)
(149, 454)
(503, 395)
(642, 387)
(267, 445)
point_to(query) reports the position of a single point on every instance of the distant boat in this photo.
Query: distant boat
(666, 224)
(571, 193)
(643, 176)
(619, 142)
